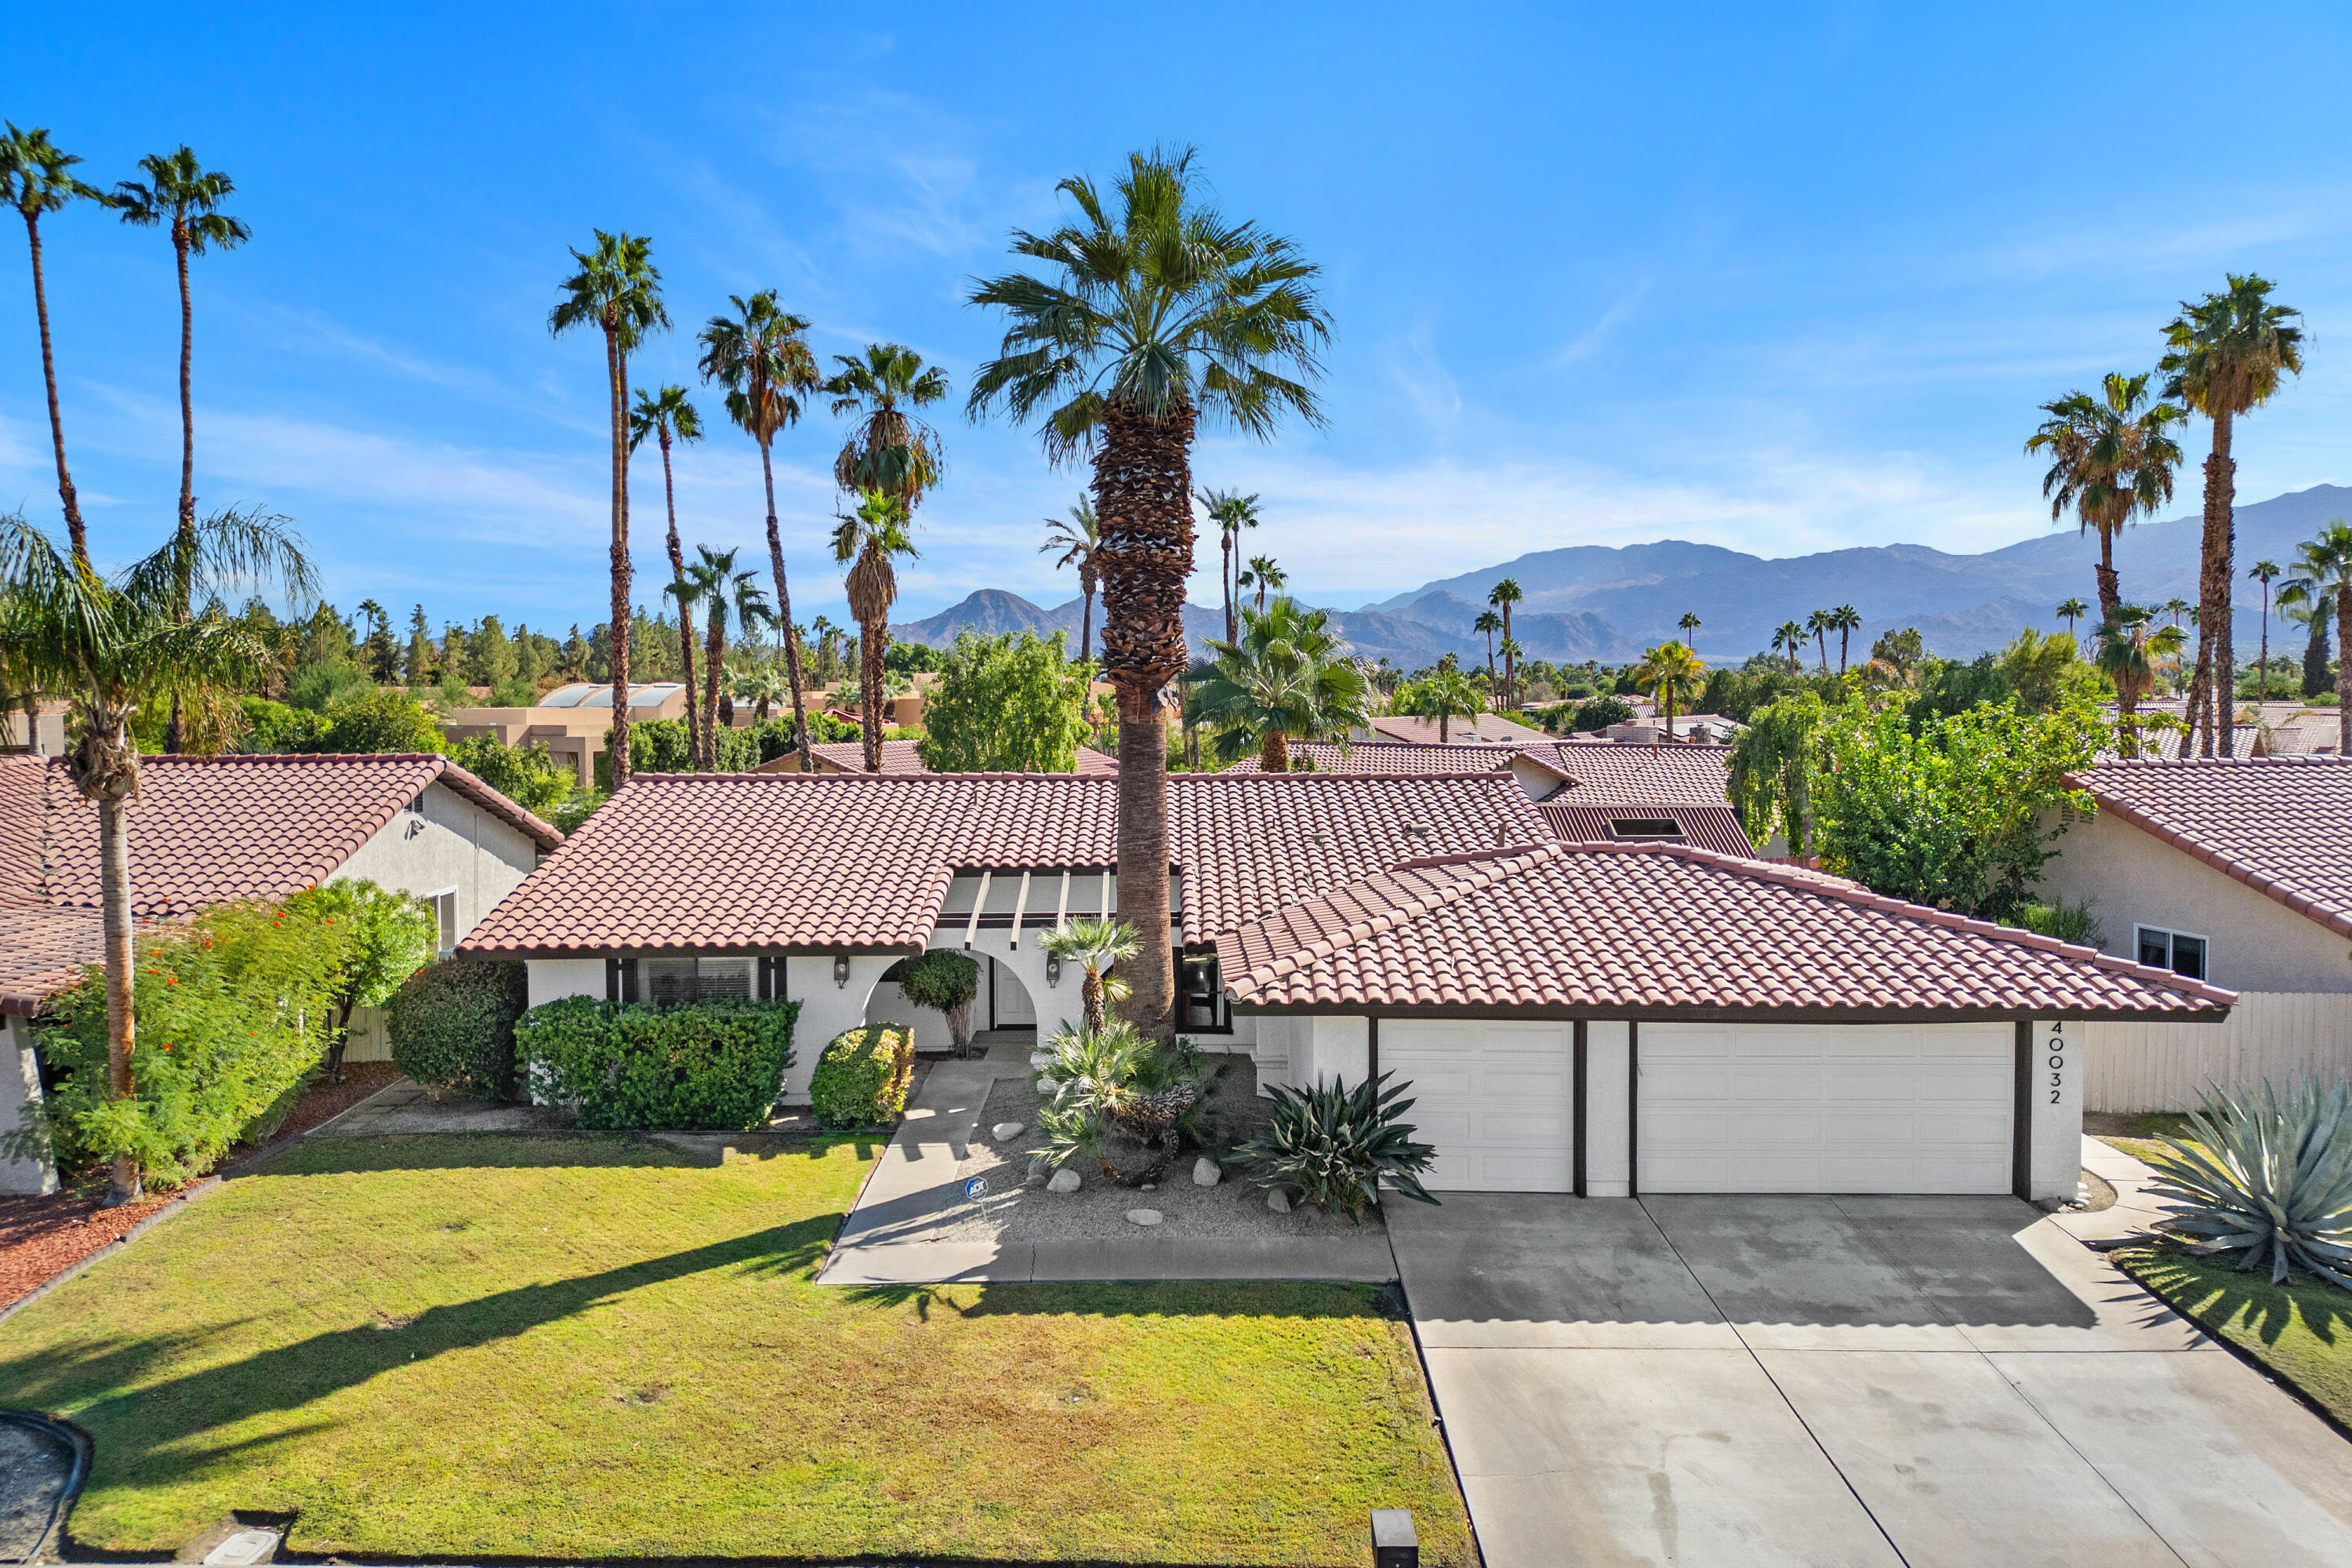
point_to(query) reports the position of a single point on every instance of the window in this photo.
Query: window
(445, 920)
(2176, 951)
(669, 981)
(1638, 827)
(1203, 992)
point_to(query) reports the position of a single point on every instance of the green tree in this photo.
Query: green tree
(1674, 672)
(1006, 705)
(382, 722)
(37, 179)
(385, 936)
(528, 774)
(2323, 571)
(2111, 458)
(1845, 620)
(617, 290)
(2129, 645)
(1502, 596)
(2072, 611)
(489, 654)
(760, 355)
(889, 448)
(1487, 623)
(2225, 355)
(1265, 576)
(669, 419)
(1444, 695)
(416, 663)
(724, 593)
(383, 658)
(1148, 313)
(1772, 767)
(1094, 945)
(1232, 512)
(2265, 572)
(1790, 638)
(1078, 537)
(868, 542)
(1286, 679)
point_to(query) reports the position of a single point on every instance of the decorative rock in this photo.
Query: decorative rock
(1205, 1172)
(1143, 1216)
(1040, 1060)
(1148, 1187)
(1065, 1180)
(1278, 1201)
(1004, 1131)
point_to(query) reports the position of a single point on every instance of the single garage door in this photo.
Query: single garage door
(1499, 1101)
(1798, 1108)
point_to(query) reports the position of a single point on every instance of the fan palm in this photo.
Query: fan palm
(1232, 512)
(2111, 458)
(1817, 626)
(889, 450)
(1672, 671)
(1446, 696)
(1502, 596)
(1265, 576)
(2324, 569)
(2074, 610)
(37, 178)
(1094, 945)
(1149, 312)
(2177, 607)
(668, 417)
(1845, 620)
(1791, 636)
(760, 355)
(2129, 646)
(2265, 572)
(1487, 623)
(712, 581)
(1286, 677)
(868, 542)
(110, 647)
(617, 290)
(761, 688)
(1078, 536)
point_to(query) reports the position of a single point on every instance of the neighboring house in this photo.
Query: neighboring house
(1590, 1018)
(903, 757)
(1489, 728)
(207, 831)
(1387, 757)
(574, 722)
(2235, 871)
(43, 736)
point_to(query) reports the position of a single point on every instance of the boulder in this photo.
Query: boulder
(1143, 1216)
(1205, 1172)
(1065, 1180)
(1277, 1199)
(1040, 1060)
(1005, 1132)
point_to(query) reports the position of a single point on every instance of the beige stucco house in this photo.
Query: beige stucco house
(573, 721)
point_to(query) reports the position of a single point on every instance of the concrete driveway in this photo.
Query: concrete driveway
(1843, 1381)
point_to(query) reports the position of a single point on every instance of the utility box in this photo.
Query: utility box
(1394, 1545)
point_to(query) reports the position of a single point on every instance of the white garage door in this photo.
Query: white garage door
(1499, 1101)
(1790, 1108)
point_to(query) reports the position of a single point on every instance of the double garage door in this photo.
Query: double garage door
(1721, 1108)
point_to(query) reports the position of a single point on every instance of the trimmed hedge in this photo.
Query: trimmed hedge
(863, 1077)
(452, 1024)
(717, 1063)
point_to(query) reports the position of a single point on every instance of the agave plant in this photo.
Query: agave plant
(2269, 1174)
(1337, 1144)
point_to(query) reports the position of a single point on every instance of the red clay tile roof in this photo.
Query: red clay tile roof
(835, 861)
(1613, 773)
(43, 951)
(1715, 827)
(2281, 825)
(1667, 932)
(1458, 731)
(1387, 757)
(905, 757)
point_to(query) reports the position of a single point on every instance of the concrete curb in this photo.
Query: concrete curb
(1365, 1260)
(203, 1188)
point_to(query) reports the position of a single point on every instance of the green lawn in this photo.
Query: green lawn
(2302, 1330)
(600, 1345)
(2146, 1130)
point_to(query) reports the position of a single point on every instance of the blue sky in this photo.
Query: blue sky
(1775, 277)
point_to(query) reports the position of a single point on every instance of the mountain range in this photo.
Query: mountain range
(1611, 602)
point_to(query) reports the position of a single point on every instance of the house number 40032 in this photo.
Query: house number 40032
(2057, 1060)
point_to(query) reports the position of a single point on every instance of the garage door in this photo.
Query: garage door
(1782, 1108)
(1497, 1100)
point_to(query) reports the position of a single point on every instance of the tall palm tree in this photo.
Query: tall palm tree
(2264, 572)
(617, 290)
(1150, 312)
(668, 417)
(2129, 646)
(761, 688)
(889, 448)
(1232, 512)
(1817, 626)
(712, 582)
(1690, 624)
(1487, 623)
(37, 178)
(1263, 575)
(111, 647)
(868, 542)
(185, 196)
(1502, 596)
(1676, 673)
(1791, 636)
(2323, 570)
(1078, 536)
(2177, 607)
(760, 355)
(2224, 356)
(2074, 610)
(2111, 458)
(1446, 696)
(1845, 620)
(1287, 677)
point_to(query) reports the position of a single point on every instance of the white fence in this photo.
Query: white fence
(2277, 1035)
(367, 1042)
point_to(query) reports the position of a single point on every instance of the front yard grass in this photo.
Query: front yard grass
(2301, 1331)
(2138, 1134)
(573, 1346)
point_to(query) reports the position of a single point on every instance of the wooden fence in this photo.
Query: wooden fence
(2277, 1035)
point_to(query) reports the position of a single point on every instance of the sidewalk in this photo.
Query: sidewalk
(2136, 1212)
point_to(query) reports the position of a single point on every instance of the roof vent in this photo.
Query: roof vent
(1417, 830)
(1641, 829)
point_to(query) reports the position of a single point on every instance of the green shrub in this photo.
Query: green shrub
(275, 727)
(452, 1024)
(947, 982)
(1337, 1145)
(1599, 713)
(2077, 923)
(380, 720)
(717, 1064)
(527, 775)
(862, 1077)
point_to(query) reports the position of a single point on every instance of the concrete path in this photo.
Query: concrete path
(1843, 1381)
(2135, 1211)
(406, 1106)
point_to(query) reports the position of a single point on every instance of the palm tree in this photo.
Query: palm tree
(2074, 610)
(1487, 623)
(1672, 671)
(2176, 608)
(712, 581)
(1287, 676)
(2111, 458)
(1095, 945)
(2224, 357)
(37, 178)
(2264, 572)
(1502, 596)
(1791, 636)
(1262, 575)
(668, 416)
(1078, 536)
(1845, 620)
(1690, 624)
(889, 449)
(2298, 608)
(1232, 512)
(1446, 696)
(1148, 316)
(2128, 651)
(2324, 567)
(113, 648)
(617, 290)
(869, 543)
(1817, 626)
(761, 688)
(760, 355)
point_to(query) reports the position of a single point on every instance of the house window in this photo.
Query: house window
(1202, 991)
(670, 981)
(2176, 951)
(444, 921)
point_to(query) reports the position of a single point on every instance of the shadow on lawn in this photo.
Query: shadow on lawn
(553, 1150)
(2217, 1294)
(1141, 1298)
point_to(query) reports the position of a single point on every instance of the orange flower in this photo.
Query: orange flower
(173, 979)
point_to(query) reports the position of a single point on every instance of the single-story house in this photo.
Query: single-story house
(903, 757)
(1595, 1018)
(2236, 871)
(574, 722)
(1488, 729)
(213, 830)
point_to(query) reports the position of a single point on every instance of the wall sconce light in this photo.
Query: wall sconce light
(1053, 969)
(841, 969)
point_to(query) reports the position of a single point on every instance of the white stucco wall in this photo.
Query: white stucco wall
(1608, 1110)
(2054, 1102)
(20, 1085)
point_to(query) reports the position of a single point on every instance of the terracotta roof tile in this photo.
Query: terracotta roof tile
(905, 757)
(1715, 827)
(2279, 823)
(1613, 773)
(43, 951)
(1388, 757)
(1667, 931)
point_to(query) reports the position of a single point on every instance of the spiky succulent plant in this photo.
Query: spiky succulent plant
(1337, 1144)
(2267, 1174)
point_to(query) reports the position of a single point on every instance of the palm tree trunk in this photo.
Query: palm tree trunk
(1274, 752)
(1510, 660)
(184, 570)
(1142, 490)
(714, 647)
(1225, 584)
(2262, 669)
(1845, 639)
(869, 692)
(57, 423)
(2211, 699)
(685, 621)
(785, 614)
(617, 374)
(1085, 615)
(2343, 670)
(121, 1021)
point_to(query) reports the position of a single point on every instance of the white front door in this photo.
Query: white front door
(1826, 1108)
(1497, 1100)
(1010, 1008)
